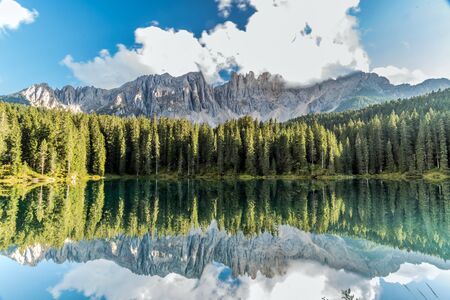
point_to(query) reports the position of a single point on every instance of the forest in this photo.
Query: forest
(410, 136)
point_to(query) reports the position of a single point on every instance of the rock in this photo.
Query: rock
(190, 96)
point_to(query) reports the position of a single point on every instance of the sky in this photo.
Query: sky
(107, 43)
(103, 279)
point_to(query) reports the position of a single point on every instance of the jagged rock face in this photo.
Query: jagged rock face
(190, 96)
(41, 95)
(269, 254)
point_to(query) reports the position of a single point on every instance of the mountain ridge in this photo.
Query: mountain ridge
(190, 96)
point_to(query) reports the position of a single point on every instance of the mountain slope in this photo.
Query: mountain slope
(190, 96)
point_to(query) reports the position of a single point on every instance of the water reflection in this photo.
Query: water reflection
(408, 215)
(365, 235)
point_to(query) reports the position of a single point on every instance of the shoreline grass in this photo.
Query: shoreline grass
(26, 177)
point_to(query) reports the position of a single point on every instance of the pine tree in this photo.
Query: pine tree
(43, 154)
(393, 136)
(206, 140)
(52, 160)
(320, 138)
(193, 150)
(97, 148)
(155, 145)
(377, 145)
(3, 134)
(236, 150)
(420, 148)
(362, 155)
(333, 152)
(310, 146)
(443, 151)
(283, 155)
(13, 156)
(390, 163)
(81, 153)
(133, 140)
(120, 148)
(429, 144)
(220, 138)
(249, 152)
(347, 157)
(262, 147)
(299, 148)
(406, 156)
(145, 147)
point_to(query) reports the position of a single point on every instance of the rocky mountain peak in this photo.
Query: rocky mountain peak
(41, 95)
(190, 96)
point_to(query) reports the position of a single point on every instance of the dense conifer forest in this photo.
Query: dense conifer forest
(405, 136)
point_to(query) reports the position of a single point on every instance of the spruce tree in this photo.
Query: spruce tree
(347, 157)
(263, 154)
(43, 155)
(220, 140)
(362, 155)
(155, 145)
(249, 152)
(145, 147)
(97, 148)
(429, 144)
(390, 163)
(120, 148)
(13, 155)
(134, 149)
(299, 148)
(420, 148)
(236, 150)
(406, 155)
(443, 151)
(3, 134)
(310, 146)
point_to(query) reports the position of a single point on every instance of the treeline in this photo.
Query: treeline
(399, 137)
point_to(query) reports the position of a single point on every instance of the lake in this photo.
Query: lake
(199, 239)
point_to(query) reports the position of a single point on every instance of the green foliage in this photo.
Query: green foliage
(96, 148)
(408, 136)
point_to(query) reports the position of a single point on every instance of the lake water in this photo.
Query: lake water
(258, 239)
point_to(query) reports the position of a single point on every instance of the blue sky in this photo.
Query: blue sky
(406, 40)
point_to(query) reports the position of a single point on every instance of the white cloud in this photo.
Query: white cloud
(162, 51)
(312, 280)
(12, 14)
(224, 7)
(271, 41)
(104, 279)
(409, 272)
(401, 75)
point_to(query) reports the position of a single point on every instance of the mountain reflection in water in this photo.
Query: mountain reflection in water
(234, 239)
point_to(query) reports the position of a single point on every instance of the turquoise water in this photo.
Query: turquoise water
(256, 239)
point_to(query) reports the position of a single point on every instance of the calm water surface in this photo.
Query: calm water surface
(191, 239)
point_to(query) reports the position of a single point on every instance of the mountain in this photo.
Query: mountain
(190, 96)
(266, 253)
